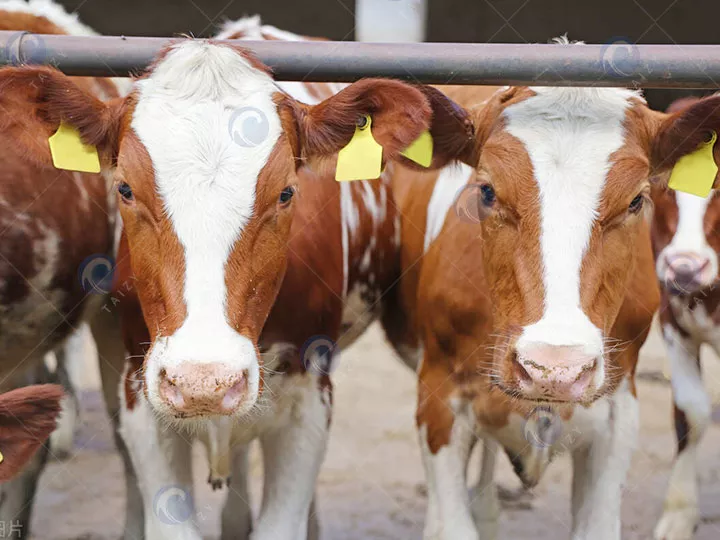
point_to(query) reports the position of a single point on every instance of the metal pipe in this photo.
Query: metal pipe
(616, 64)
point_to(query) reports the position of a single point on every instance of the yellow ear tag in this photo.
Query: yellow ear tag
(421, 150)
(695, 172)
(70, 153)
(2, 458)
(361, 159)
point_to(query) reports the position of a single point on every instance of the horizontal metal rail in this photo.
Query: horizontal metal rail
(615, 64)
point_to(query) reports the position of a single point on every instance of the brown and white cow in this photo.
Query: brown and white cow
(209, 208)
(27, 417)
(686, 243)
(340, 257)
(51, 222)
(532, 312)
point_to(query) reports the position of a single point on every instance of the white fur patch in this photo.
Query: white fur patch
(448, 512)
(449, 182)
(207, 182)
(53, 12)
(688, 390)
(569, 134)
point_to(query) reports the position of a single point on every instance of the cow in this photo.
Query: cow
(525, 299)
(212, 218)
(55, 227)
(27, 417)
(686, 244)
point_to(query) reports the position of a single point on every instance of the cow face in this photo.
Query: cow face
(563, 178)
(206, 150)
(686, 240)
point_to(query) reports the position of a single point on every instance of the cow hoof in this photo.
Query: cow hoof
(677, 525)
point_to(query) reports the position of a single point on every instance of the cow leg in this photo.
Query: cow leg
(105, 328)
(449, 516)
(69, 360)
(237, 514)
(692, 416)
(600, 464)
(293, 451)
(163, 464)
(313, 522)
(62, 439)
(483, 496)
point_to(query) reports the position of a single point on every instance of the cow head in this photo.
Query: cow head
(205, 153)
(686, 240)
(562, 177)
(685, 235)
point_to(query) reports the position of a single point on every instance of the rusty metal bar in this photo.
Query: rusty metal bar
(616, 64)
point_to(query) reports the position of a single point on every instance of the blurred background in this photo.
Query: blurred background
(481, 21)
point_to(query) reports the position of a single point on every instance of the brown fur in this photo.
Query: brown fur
(27, 417)
(43, 206)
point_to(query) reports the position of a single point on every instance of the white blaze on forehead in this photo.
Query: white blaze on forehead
(569, 134)
(690, 233)
(206, 173)
(446, 191)
(690, 238)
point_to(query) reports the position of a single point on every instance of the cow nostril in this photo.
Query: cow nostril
(171, 393)
(236, 393)
(519, 371)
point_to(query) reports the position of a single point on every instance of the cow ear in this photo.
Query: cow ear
(27, 417)
(36, 100)
(398, 114)
(452, 130)
(677, 135)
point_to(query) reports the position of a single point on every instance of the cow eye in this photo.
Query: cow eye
(287, 194)
(125, 191)
(487, 194)
(636, 204)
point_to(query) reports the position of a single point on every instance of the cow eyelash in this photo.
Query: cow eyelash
(637, 204)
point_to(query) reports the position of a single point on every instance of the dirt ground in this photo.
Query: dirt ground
(371, 486)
